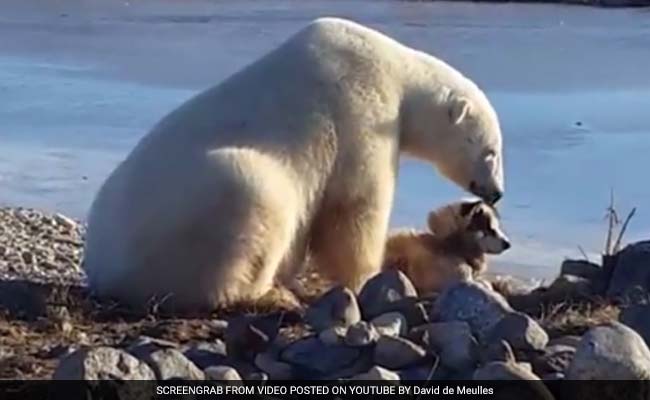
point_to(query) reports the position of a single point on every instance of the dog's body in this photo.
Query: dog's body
(455, 248)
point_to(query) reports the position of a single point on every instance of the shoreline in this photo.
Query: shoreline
(48, 316)
(589, 3)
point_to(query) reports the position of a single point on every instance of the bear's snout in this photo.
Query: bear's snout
(490, 196)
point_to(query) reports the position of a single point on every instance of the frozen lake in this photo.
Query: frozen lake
(81, 81)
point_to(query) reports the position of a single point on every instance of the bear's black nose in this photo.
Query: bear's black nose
(506, 245)
(496, 196)
(491, 197)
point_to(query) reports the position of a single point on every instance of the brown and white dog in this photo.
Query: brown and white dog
(460, 235)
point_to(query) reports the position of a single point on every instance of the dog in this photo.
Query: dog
(455, 247)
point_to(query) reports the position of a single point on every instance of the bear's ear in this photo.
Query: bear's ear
(458, 109)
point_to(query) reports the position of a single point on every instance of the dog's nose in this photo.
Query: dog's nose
(506, 245)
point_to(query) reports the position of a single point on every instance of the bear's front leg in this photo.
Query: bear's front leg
(348, 238)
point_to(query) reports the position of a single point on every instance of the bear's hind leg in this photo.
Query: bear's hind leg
(265, 223)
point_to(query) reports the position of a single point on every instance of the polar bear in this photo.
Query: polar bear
(295, 155)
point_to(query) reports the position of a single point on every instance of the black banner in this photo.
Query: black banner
(145, 390)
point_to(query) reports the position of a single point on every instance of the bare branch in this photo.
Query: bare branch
(617, 245)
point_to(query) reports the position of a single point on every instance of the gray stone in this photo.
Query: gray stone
(246, 336)
(222, 373)
(569, 287)
(207, 354)
(172, 364)
(145, 345)
(566, 340)
(377, 373)
(396, 352)
(611, 351)
(337, 307)
(102, 363)
(631, 272)
(361, 334)
(582, 268)
(555, 359)
(532, 389)
(382, 292)
(496, 351)
(508, 285)
(334, 335)
(277, 370)
(424, 373)
(454, 343)
(257, 377)
(312, 358)
(390, 324)
(500, 370)
(637, 317)
(520, 331)
(482, 309)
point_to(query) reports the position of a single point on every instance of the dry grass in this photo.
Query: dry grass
(575, 319)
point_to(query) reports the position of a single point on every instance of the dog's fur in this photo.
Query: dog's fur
(454, 248)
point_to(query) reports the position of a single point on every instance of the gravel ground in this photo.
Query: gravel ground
(40, 247)
(46, 310)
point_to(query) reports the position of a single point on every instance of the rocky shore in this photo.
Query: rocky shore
(590, 323)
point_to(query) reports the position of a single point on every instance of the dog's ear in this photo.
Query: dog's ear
(433, 221)
(467, 207)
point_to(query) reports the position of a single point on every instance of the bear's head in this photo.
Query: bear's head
(458, 131)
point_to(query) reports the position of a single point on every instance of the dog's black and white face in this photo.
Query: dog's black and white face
(482, 222)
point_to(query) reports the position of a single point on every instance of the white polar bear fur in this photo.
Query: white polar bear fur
(296, 154)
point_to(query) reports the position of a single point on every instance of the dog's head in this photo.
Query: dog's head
(474, 218)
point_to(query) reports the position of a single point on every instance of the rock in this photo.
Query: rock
(246, 336)
(508, 285)
(482, 309)
(631, 271)
(415, 310)
(531, 387)
(496, 351)
(555, 359)
(333, 336)
(338, 307)
(567, 340)
(520, 331)
(377, 373)
(423, 373)
(172, 364)
(312, 358)
(581, 268)
(500, 370)
(361, 334)
(390, 324)
(276, 370)
(396, 352)
(454, 343)
(381, 293)
(257, 377)
(145, 345)
(219, 326)
(637, 317)
(207, 354)
(102, 363)
(222, 373)
(569, 287)
(553, 376)
(611, 351)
